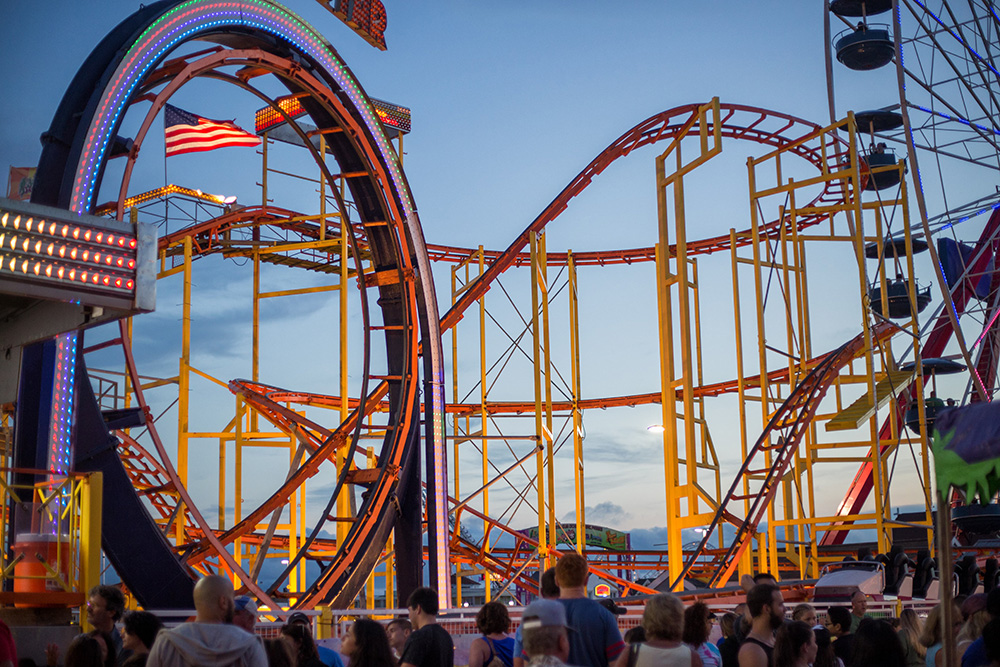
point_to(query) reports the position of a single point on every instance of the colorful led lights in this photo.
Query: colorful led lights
(37, 247)
(61, 419)
(160, 193)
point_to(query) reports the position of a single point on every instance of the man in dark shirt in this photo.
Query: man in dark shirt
(105, 605)
(838, 622)
(767, 607)
(429, 645)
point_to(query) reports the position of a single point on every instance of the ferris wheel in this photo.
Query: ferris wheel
(945, 121)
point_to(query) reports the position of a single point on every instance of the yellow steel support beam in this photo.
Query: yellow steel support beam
(574, 352)
(184, 386)
(707, 120)
(344, 501)
(543, 280)
(483, 422)
(91, 511)
(544, 437)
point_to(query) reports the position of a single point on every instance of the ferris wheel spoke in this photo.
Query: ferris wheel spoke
(961, 76)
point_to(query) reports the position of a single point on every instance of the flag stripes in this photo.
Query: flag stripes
(186, 132)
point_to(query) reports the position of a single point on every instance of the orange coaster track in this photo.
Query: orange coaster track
(768, 128)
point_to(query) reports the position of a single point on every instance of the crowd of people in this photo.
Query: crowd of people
(564, 627)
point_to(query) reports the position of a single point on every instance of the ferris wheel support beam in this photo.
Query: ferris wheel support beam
(918, 192)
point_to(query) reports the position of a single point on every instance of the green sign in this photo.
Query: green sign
(594, 536)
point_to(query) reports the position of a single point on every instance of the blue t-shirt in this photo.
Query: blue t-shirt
(597, 640)
(975, 655)
(329, 657)
(502, 648)
(519, 645)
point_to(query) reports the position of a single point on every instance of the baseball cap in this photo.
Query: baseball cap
(246, 603)
(544, 614)
(972, 604)
(610, 605)
(299, 617)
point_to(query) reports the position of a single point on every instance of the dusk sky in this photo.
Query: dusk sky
(510, 100)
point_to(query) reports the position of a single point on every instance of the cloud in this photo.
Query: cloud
(605, 514)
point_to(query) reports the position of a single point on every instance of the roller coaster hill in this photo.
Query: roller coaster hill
(431, 440)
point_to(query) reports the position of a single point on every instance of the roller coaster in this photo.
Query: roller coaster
(795, 413)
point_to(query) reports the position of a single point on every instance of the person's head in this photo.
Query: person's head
(422, 603)
(697, 625)
(299, 618)
(84, 651)
(571, 571)
(794, 644)
(859, 603)
(549, 586)
(973, 604)
(635, 635)
(399, 630)
(139, 630)
(764, 578)
(280, 652)
(838, 621)
(109, 657)
(908, 619)
(742, 611)
(245, 613)
(727, 625)
(544, 629)
(991, 639)
(876, 643)
(663, 617)
(804, 612)
(367, 643)
(765, 602)
(972, 629)
(493, 619)
(213, 599)
(933, 632)
(612, 606)
(825, 656)
(302, 639)
(105, 605)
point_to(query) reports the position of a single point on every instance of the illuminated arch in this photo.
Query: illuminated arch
(79, 144)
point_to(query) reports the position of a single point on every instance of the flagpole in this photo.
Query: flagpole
(166, 182)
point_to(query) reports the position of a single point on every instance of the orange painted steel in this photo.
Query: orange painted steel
(796, 412)
(739, 122)
(321, 450)
(520, 555)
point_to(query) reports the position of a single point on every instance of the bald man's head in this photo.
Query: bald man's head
(213, 599)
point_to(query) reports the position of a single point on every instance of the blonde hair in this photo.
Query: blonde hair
(932, 632)
(909, 626)
(801, 610)
(972, 629)
(663, 617)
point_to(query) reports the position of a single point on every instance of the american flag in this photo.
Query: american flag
(189, 133)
